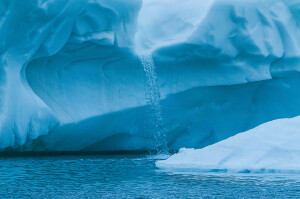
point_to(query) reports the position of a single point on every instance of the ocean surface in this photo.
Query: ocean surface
(129, 176)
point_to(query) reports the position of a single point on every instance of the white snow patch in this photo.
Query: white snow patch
(271, 147)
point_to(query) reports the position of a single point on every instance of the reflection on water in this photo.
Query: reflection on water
(129, 176)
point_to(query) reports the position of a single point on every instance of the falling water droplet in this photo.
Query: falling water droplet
(153, 102)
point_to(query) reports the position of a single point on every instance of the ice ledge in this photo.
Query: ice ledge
(271, 147)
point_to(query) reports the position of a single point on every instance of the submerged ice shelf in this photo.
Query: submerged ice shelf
(72, 80)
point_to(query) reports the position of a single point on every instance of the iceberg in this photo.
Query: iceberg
(71, 77)
(270, 147)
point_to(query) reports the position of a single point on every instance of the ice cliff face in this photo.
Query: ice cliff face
(71, 78)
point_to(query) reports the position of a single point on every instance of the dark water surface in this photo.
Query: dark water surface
(129, 176)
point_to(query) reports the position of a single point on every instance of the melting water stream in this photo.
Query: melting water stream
(153, 101)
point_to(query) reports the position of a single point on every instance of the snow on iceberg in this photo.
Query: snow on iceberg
(270, 147)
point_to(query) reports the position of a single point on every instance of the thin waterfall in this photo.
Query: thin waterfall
(153, 102)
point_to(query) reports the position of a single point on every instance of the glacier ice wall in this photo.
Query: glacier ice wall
(71, 78)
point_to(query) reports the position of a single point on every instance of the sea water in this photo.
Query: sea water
(129, 176)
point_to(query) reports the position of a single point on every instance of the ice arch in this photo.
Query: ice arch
(71, 79)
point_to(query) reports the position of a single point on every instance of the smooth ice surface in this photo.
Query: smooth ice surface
(270, 147)
(71, 78)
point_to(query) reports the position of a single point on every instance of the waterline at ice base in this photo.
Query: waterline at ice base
(96, 75)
